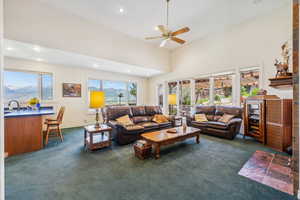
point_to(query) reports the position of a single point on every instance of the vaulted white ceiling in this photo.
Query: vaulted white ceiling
(141, 16)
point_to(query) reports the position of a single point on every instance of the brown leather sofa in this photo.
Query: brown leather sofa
(213, 127)
(140, 115)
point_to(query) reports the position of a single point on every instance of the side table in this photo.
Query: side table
(97, 137)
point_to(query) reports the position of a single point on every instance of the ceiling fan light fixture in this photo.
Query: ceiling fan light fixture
(167, 34)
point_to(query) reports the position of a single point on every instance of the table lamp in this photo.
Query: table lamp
(172, 100)
(97, 101)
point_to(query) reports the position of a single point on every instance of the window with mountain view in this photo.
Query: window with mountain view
(116, 92)
(22, 86)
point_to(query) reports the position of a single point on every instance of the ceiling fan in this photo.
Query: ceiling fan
(167, 34)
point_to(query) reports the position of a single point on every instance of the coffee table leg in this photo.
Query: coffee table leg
(198, 139)
(157, 151)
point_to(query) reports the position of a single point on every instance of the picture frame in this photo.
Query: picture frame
(71, 90)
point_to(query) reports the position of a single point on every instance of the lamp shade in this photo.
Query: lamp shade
(172, 99)
(97, 99)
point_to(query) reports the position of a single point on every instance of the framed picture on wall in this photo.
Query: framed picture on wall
(71, 90)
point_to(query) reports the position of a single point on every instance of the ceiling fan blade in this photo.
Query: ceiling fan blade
(176, 39)
(180, 31)
(163, 29)
(151, 38)
(163, 43)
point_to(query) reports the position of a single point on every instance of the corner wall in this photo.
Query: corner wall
(255, 43)
(76, 108)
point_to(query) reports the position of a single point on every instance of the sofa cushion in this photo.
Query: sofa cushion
(164, 124)
(207, 110)
(230, 110)
(114, 112)
(148, 125)
(138, 110)
(153, 110)
(124, 120)
(217, 125)
(199, 124)
(134, 128)
(138, 119)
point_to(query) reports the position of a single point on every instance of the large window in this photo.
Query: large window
(202, 87)
(22, 86)
(116, 92)
(223, 90)
(185, 96)
(249, 84)
(160, 93)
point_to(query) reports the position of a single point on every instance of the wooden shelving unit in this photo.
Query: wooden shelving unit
(255, 117)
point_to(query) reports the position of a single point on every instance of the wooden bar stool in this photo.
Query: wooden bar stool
(53, 125)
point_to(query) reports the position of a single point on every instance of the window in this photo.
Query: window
(132, 97)
(202, 87)
(160, 93)
(223, 90)
(116, 92)
(249, 84)
(185, 96)
(22, 86)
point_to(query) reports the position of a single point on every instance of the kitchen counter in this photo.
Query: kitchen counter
(24, 130)
(28, 113)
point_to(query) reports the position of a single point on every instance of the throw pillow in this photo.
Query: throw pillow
(226, 118)
(160, 119)
(125, 120)
(200, 118)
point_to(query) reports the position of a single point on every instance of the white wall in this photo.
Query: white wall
(76, 108)
(1, 106)
(38, 23)
(256, 42)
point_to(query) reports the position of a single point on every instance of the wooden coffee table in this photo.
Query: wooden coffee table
(162, 137)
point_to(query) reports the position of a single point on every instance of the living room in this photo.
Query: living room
(96, 107)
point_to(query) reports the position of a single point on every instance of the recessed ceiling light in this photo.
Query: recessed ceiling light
(37, 49)
(156, 28)
(95, 65)
(121, 10)
(128, 70)
(9, 48)
(39, 59)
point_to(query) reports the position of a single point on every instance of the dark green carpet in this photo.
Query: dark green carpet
(185, 171)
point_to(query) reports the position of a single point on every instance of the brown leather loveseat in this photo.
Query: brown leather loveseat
(141, 116)
(214, 127)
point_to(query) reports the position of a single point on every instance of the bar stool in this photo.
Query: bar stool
(53, 125)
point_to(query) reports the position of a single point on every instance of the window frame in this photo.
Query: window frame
(39, 84)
